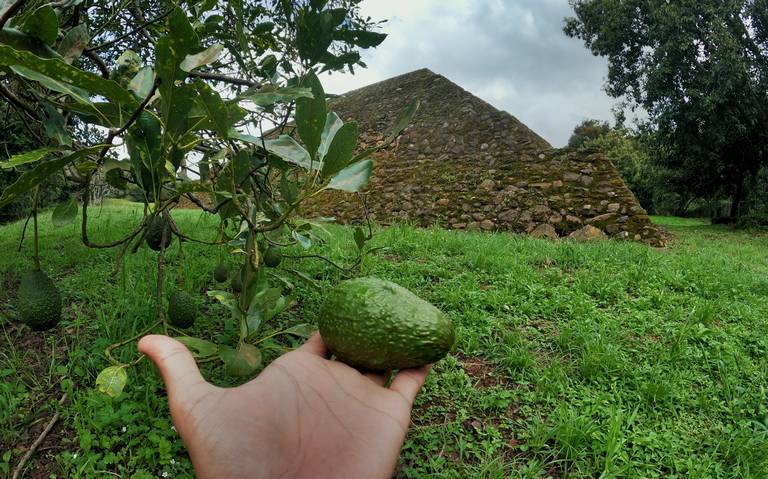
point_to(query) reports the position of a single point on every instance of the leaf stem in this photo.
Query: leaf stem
(36, 257)
(112, 347)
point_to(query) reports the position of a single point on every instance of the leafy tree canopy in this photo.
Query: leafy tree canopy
(700, 70)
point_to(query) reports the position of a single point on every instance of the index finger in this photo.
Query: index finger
(408, 382)
(315, 345)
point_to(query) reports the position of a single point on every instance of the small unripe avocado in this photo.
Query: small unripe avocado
(221, 273)
(182, 309)
(379, 325)
(273, 257)
(155, 233)
(39, 301)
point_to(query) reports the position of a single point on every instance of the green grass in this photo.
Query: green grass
(574, 360)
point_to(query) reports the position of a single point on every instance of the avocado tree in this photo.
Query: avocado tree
(700, 71)
(201, 112)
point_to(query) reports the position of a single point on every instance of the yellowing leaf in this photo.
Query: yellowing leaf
(111, 381)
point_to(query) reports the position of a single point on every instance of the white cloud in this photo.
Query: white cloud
(511, 53)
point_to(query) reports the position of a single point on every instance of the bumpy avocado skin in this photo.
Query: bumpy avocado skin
(39, 301)
(221, 273)
(182, 309)
(379, 325)
(155, 233)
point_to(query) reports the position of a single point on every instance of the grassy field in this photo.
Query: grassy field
(574, 360)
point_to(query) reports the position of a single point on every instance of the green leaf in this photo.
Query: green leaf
(242, 361)
(341, 150)
(289, 150)
(86, 168)
(200, 348)
(108, 115)
(226, 298)
(77, 93)
(43, 24)
(311, 113)
(23, 42)
(27, 157)
(74, 42)
(176, 118)
(305, 242)
(115, 179)
(360, 238)
(206, 57)
(111, 381)
(402, 122)
(288, 188)
(170, 52)
(332, 125)
(190, 187)
(55, 126)
(59, 71)
(253, 321)
(267, 97)
(65, 213)
(40, 173)
(361, 38)
(302, 330)
(352, 178)
(236, 135)
(144, 145)
(142, 82)
(214, 106)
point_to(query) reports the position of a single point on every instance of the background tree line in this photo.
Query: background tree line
(700, 71)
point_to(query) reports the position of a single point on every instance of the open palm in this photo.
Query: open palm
(303, 416)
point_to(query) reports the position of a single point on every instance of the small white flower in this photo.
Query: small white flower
(125, 428)
(173, 461)
(165, 474)
(173, 428)
(74, 456)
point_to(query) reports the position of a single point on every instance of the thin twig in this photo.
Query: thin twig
(24, 231)
(136, 114)
(224, 79)
(17, 102)
(36, 258)
(98, 62)
(38, 441)
(317, 256)
(161, 277)
(126, 35)
(112, 347)
(12, 10)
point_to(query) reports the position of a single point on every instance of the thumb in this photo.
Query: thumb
(176, 364)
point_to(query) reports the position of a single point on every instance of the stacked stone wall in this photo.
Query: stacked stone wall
(466, 165)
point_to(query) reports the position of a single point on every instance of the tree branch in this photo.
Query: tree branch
(13, 99)
(12, 10)
(98, 62)
(129, 123)
(224, 79)
(126, 35)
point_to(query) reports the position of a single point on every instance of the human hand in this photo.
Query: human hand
(303, 416)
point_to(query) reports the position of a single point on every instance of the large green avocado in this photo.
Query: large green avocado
(39, 302)
(155, 233)
(379, 325)
(182, 309)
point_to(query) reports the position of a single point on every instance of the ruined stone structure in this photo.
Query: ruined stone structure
(466, 165)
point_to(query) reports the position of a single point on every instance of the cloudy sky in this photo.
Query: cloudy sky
(510, 53)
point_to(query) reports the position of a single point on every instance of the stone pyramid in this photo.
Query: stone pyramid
(464, 164)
